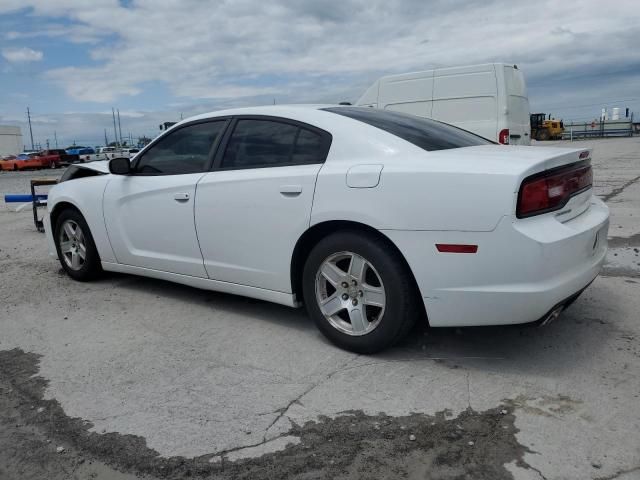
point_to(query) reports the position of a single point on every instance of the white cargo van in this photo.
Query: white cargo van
(489, 100)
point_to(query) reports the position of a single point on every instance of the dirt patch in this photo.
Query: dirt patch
(625, 242)
(473, 445)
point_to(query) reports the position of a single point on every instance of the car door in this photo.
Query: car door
(149, 213)
(251, 210)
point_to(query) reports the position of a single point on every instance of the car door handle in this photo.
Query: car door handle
(181, 197)
(290, 190)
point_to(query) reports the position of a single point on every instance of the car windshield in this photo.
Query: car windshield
(425, 133)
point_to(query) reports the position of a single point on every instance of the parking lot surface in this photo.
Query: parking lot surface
(127, 376)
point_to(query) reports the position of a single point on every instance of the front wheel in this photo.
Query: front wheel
(75, 246)
(359, 292)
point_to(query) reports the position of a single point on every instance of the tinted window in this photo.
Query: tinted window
(309, 148)
(422, 132)
(266, 143)
(183, 151)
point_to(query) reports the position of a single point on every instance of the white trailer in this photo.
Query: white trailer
(10, 140)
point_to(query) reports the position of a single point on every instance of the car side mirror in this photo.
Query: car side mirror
(120, 166)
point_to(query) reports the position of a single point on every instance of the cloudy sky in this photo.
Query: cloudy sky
(70, 61)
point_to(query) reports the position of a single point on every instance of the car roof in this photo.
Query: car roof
(272, 110)
(301, 112)
(350, 136)
(312, 114)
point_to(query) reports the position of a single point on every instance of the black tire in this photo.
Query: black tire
(402, 306)
(91, 267)
(15, 167)
(543, 135)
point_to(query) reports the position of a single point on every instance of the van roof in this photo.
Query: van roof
(480, 67)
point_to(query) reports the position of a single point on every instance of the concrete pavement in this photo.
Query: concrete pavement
(224, 379)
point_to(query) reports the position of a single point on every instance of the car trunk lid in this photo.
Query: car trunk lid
(522, 163)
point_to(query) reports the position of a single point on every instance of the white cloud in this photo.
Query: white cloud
(242, 48)
(73, 33)
(214, 54)
(21, 55)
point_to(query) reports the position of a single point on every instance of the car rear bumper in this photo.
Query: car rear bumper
(557, 309)
(521, 271)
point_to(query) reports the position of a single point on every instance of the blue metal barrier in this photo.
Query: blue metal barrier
(21, 198)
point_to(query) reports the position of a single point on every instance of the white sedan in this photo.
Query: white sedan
(370, 219)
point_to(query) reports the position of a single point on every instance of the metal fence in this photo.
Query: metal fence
(599, 128)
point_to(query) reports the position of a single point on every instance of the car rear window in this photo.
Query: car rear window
(425, 133)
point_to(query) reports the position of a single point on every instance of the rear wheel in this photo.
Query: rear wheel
(543, 134)
(359, 292)
(75, 246)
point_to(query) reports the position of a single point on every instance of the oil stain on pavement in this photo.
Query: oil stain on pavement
(38, 440)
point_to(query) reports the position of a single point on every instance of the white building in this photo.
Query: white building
(10, 140)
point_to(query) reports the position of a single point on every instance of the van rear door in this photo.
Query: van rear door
(517, 106)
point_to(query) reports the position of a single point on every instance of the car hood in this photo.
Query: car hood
(101, 166)
(82, 170)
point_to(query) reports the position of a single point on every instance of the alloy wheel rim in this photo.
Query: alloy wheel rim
(350, 293)
(73, 245)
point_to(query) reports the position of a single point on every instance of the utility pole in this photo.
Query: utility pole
(55, 138)
(119, 127)
(115, 130)
(30, 131)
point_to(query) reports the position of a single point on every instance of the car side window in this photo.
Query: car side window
(185, 150)
(268, 143)
(309, 148)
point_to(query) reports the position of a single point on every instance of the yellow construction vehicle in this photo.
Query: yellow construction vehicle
(545, 129)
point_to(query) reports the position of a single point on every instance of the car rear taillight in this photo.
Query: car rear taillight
(503, 136)
(548, 191)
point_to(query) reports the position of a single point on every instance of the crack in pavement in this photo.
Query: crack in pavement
(222, 453)
(282, 413)
(537, 471)
(617, 191)
(618, 473)
(286, 408)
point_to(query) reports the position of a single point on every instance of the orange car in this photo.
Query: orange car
(23, 161)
